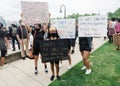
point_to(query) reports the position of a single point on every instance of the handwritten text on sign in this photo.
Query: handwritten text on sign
(93, 26)
(65, 27)
(54, 50)
(35, 12)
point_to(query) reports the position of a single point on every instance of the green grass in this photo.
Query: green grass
(106, 70)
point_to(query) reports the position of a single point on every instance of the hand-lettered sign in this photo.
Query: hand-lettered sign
(65, 27)
(35, 12)
(93, 26)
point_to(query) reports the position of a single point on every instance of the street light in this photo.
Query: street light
(64, 10)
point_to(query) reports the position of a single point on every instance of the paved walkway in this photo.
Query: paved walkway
(21, 72)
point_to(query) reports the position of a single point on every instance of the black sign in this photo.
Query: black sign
(54, 50)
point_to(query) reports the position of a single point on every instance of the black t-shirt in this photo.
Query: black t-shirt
(39, 36)
(3, 34)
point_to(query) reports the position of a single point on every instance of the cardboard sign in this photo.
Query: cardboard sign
(65, 27)
(93, 26)
(54, 50)
(35, 12)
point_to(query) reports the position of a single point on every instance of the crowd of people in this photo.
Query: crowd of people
(28, 37)
(113, 28)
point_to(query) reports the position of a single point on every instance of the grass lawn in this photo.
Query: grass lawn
(106, 70)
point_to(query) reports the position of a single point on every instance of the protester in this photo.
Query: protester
(13, 32)
(53, 35)
(111, 29)
(3, 45)
(85, 49)
(73, 41)
(8, 35)
(117, 31)
(23, 38)
(38, 36)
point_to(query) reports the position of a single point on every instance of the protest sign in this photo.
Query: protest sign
(54, 50)
(65, 27)
(93, 26)
(35, 12)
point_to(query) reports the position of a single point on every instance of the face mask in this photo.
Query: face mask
(53, 34)
(37, 30)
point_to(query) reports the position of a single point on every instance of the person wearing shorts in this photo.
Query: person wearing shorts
(3, 45)
(85, 47)
(38, 36)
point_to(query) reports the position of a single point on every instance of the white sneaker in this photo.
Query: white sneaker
(83, 68)
(88, 71)
(60, 65)
(69, 67)
(36, 72)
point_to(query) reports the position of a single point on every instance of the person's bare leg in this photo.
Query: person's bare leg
(36, 63)
(2, 61)
(85, 59)
(69, 58)
(57, 69)
(52, 70)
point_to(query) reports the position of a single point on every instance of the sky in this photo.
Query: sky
(11, 9)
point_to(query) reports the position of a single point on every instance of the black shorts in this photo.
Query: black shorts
(84, 45)
(72, 42)
(36, 52)
(56, 62)
(3, 52)
(85, 48)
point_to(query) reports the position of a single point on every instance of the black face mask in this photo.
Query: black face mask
(53, 34)
(37, 30)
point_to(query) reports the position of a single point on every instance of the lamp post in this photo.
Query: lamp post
(64, 10)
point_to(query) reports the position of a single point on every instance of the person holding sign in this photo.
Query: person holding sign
(38, 36)
(85, 49)
(53, 35)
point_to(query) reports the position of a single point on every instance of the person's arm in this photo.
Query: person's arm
(28, 28)
(6, 41)
(115, 28)
(17, 35)
(45, 28)
(110, 24)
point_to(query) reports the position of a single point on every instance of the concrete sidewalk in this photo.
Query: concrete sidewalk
(21, 72)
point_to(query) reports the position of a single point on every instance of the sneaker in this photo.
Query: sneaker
(46, 70)
(83, 68)
(58, 78)
(88, 71)
(23, 58)
(52, 77)
(69, 67)
(60, 65)
(13, 50)
(72, 52)
(36, 72)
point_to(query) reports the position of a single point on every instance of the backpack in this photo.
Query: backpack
(14, 31)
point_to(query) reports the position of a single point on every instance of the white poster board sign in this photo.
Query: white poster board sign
(65, 27)
(35, 12)
(93, 26)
